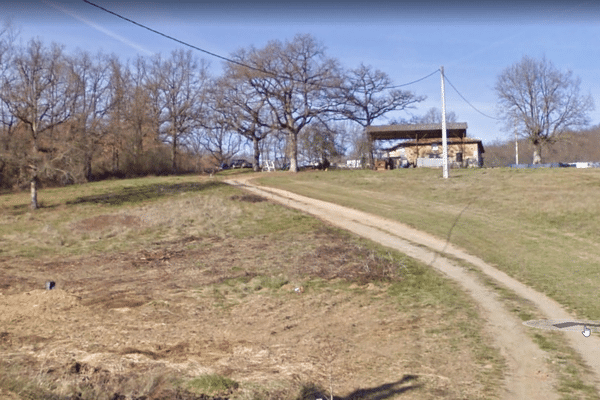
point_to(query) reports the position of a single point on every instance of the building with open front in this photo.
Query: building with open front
(422, 146)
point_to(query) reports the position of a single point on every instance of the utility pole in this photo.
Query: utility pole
(444, 134)
(516, 148)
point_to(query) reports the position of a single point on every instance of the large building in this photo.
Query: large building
(422, 145)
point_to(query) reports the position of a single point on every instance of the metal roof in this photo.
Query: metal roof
(416, 131)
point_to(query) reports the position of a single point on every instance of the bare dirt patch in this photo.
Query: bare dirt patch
(101, 222)
(139, 323)
(250, 198)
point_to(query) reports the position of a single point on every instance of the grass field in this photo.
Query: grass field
(183, 287)
(538, 225)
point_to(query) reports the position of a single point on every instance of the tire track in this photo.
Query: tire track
(528, 375)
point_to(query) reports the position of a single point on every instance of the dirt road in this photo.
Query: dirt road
(528, 374)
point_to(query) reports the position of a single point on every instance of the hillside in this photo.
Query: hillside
(573, 147)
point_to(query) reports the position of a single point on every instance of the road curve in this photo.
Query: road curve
(528, 375)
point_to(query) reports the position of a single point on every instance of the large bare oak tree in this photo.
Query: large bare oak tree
(298, 84)
(540, 102)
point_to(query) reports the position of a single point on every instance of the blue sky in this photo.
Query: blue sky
(474, 41)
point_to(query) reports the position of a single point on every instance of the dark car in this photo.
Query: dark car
(240, 164)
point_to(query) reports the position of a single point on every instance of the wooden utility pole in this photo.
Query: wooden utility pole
(444, 134)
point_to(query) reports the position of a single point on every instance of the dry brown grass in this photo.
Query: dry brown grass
(163, 291)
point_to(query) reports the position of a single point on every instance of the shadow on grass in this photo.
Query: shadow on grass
(147, 192)
(383, 392)
(19, 209)
(22, 209)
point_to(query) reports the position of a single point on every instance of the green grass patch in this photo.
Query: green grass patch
(132, 194)
(119, 215)
(212, 384)
(109, 192)
(543, 342)
(422, 286)
(270, 282)
(537, 225)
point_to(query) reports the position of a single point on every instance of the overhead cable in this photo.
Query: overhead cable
(467, 101)
(418, 80)
(172, 38)
(225, 58)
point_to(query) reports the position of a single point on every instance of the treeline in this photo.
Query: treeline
(569, 147)
(67, 118)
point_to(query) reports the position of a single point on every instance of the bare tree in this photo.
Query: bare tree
(92, 104)
(38, 92)
(318, 142)
(540, 102)
(368, 94)
(8, 37)
(433, 116)
(218, 138)
(134, 117)
(359, 143)
(246, 110)
(297, 84)
(8, 155)
(124, 98)
(180, 84)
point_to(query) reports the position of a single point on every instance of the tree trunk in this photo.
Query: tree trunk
(2, 177)
(34, 178)
(370, 153)
(174, 154)
(34, 201)
(138, 147)
(256, 162)
(293, 152)
(115, 159)
(87, 167)
(537, 153)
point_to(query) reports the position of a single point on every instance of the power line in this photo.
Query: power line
(172, 38)
(467, 101)
(225, 58)
(418, 80)
(268, 72)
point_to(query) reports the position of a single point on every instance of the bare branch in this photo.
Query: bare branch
(366, 97)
